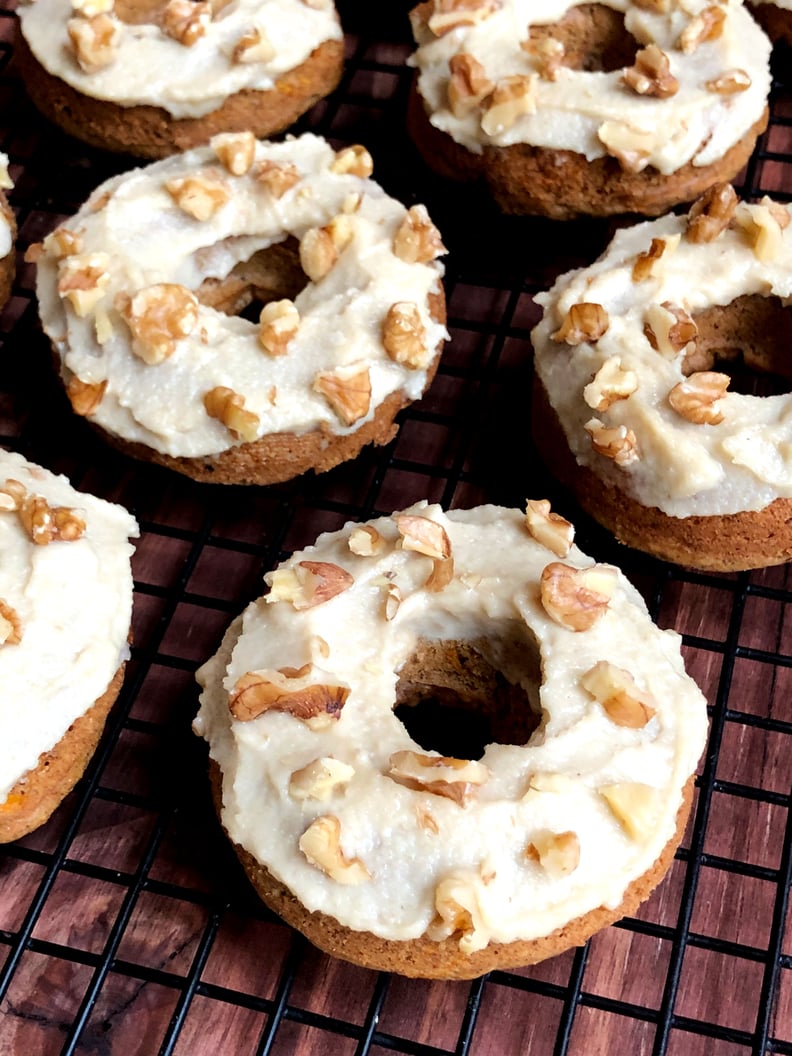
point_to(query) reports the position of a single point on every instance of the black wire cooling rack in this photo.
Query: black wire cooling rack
(126, 925)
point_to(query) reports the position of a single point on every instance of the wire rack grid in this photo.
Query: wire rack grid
(126, 924)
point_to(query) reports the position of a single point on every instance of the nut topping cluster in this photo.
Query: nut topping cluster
(440, 775)
(286, 690)
(44, 524)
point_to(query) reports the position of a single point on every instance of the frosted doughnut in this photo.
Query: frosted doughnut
(524, 94)
(65, 610)
(627, 356)
(151, 77)
(7, 234)
(384, 851)
(134, 289)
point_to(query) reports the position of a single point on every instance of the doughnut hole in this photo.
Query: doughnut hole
(452, 700)
(594, 39)
(271, 274)
(748, 340)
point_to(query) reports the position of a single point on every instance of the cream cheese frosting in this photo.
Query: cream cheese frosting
(65, 608)
(135, 256)
(139, 64)
(593, 112)
(684, 467)
(544, 831)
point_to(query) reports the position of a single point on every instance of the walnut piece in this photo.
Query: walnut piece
(85, 396)
(729, 82)
(236, 151)
(253, 46)
(617, 443)
(651, 75)
(584, 321)
(186, 20)
(558, 853)
(548, 528)
(353, 161)
(278, 324)
(634, 805)
(404, 336)
(94, 41)
(277, 178)
(320, 779)
(468, 84)
(417, 241)
(669, 329)
(63, 243)
(611, 383)
(47, 524)
(83, 279)
(320, 246)
(511, 98)
(711, 213)
(458, 912)
(365, 541)
(159, 316)
(425, 536)
(10, 625)
(646, 264)
(393, 600)
(707, 25)
(548, 54)
(762, 226)
(308, 583)
(697, 398)
(447, 15)
(615, 690)
(286, 690)
(576, 598)
(321, 845)
(347, 390)
(440, 775)
(632, 147)
(228, 407)
(198, 196)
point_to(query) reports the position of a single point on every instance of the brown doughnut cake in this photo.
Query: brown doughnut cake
(562, 112)
(153, 77)
(351, 328)
(775, 18)
(353, 826)
(65, 610)
(635, 408)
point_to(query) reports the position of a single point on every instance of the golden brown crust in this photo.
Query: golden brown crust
(426, 959)
(151, 132)
(39, 792)
(7, 263)
(563, 185)
(775, 21)
(726, 543)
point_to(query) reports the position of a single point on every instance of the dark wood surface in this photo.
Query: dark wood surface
(126, 926)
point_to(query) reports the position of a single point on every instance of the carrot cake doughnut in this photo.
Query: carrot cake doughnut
(568, 109)
(135, 289)
(775, 18)
(152, 77)
(7, 234)
(634, 407)
(384, 851)
(65, 610)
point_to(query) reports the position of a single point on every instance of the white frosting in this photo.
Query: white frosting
(150, 67)
(74, 603)
(684, 468)
(492, 600)
(145, 238)
(694, 125)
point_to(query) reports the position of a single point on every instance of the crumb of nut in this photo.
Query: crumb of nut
(198, 196)
(10, 625)
(159, 317)
(558, 853)
(62, 243)
(354, 160)
(615, 690)
(320, 779)
(669, 328)
(228, 407)
(365, 540)
(393, 600)
(417, 241)
(468, 84)
(426, 820)
(618, 443)
(548, 54)
(321, 845)
(762, 227)
(277, 178)
(647, 264)
(85, 396)
(440, 775)
(347, 390)
(12, 495)
(548, 528)
(186, 20)
(575, 598)
(448, 15)
(698, 397)
(779, 212)
(585, 321)
(308, 583)
(707, 25)
(253, 46)
(285, 690)
(34, 253)
(729, 82)
(611, 383)
(632, 147)
(404, 336)
(278, 324)
(94, 41)
(236, 151)
(711, 213)
(511, 98)
(634, 805)
(83, 279)
(651, 74)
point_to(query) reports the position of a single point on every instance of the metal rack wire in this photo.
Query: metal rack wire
(126, 925)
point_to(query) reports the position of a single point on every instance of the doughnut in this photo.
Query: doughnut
(7, 234)
(566, 110)
(634, 409)
(775, 18)
(141, 293)
(351, 816)
(65, 610)
(153, 77)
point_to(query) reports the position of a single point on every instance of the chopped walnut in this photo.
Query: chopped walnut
(236, 150)
(365, 541)
(85, 396)
(347, 390)
(277, 178)
(575, 598)
(711, 213)
(425, 536)
(63, 243)
(308, 583)
(353, 161)
(632, 147)
(253, 46)
(448, 15)
(198, 196)
(548, 53)
(426, 819)
(615, 690)
(459, 913)
(697, 398)
(440, 775)
(417, 241)
(651, 74)
(287, 691)
(393, 600)
(762, 226)
(729, 83)
(320, 779)
(669, 329)
(159, 316)
(10, 625)
(779, 212)
(12, 495)
(186, 20)
(48, 524)
(611, 383)
(94, 41)
(617, 443)
(558, 853)
(278, 324)
(707, 25)
(404, 336)
(83, 279)
(634, 805)
(468, 84)
(584, 321)
(548, 528)
(321, 845)
(228, 407)
(646, 264)
(511, 98)
(320, 246)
